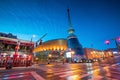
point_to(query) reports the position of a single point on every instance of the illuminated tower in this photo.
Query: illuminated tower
(73, 43)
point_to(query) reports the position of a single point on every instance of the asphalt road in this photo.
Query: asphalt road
(107, 69)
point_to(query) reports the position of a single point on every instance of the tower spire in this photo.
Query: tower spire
(70, 29)
(69, 20)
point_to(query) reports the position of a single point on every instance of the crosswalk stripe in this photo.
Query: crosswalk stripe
(42, 69)
(115, 72)
(84, 75)
(114, 65)
(96, 78)
(14, 76)
(36, 76)
(65, 72)
(19, 75)
(112, 77)
(71, 74)
(65, 75)
(56, 70)
(22, 73)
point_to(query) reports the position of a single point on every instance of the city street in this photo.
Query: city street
(59, 39)
(107, 69)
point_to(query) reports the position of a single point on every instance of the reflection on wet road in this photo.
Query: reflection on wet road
(104, 70)
(17, 76)
(86, 71)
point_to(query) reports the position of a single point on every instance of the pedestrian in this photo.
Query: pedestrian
(63, 61)
(48, 61)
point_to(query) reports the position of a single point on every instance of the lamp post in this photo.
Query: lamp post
(37, 59)
(72, 55)
(33, 36)
(32, 47)
(49, 57)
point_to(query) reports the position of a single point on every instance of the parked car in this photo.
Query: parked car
(86, 61)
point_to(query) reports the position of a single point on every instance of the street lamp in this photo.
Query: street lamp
(116, 42)
(49, 57)
(33, 36)
(36, 59)
(32, 47)
(72, 52)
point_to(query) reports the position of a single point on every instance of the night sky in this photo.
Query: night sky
(94, 21)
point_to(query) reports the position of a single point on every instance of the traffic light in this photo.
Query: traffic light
(40, 42)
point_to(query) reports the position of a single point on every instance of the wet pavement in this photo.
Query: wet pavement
(21, 73)
(108, 69)
(81, 72)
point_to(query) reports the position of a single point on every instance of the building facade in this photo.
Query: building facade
(51, 50)
(91, 53)
(8, 45)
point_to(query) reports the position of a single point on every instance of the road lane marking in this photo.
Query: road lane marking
(65, 75)
(84, 75)
(72, 74)
(66, 72)
(15, 74)
(36, 76)
(114, 65)
(96, 78)
(6, 77)
(56, 71)
(114, 72)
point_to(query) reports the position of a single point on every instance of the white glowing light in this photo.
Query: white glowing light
(25, 55)
(68, 54)
(115, 52)
(34, 36)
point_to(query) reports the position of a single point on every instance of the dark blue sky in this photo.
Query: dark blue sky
(93, 20)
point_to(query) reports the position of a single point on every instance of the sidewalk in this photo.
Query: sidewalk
(3, 68)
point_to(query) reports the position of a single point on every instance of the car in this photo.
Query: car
(95, 60)
(90, 60)
(83, 60)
